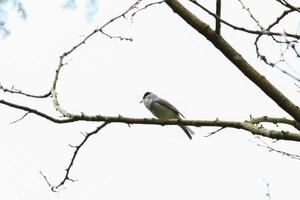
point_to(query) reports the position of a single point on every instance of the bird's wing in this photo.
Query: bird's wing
(170, 106)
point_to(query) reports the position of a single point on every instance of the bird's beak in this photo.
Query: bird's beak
(141, 101)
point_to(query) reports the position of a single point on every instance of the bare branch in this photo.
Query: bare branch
(254, 125)
(249, 71)
(251, 15)
(246, 125)
(294, 75)
(77, 148)
(288, 5)
(271, 149)
(284, 153)
(214, 132)
(20, 118)
(48, 183)
(287, 42)
(116, 37)
(256, 32)
(293, 46)
(287, 73)
(65, 54)
(16, 91)
(268, 194)
(221, 44)
(146, 6)
(275, 120)
(218, 13)
(39, 113)
(263, 31)
(278, 19)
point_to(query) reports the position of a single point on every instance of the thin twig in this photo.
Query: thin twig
(284, 153)
(271, 149)
(54, 95)
(288, 5)
(278, 19)
(268, 194)
(20, 118)
(48, 183)
(289, 43)
(66, 177)
(256, 32)
(214, 132)
(39, 113)
(16, 91)
(145, 7)
(251, 15)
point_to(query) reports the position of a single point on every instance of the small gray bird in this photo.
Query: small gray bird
(162, 109)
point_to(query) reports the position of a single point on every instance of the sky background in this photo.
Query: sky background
(109, 77)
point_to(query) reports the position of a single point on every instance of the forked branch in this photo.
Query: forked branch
(66, 177)
(249, 71)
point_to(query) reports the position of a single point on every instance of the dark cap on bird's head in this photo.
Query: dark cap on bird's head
(146, 94)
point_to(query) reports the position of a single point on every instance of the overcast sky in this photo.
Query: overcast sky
(109, 77)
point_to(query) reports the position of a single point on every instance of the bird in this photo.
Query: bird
(162, 109)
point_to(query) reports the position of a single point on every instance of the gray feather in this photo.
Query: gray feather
(170, 106)
(187, 130)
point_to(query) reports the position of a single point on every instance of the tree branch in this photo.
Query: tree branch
(146, 6)
(214, 132)
(268, 194)
(288, 5)
(249, 71)
(39, 113)
(287, 42)
(251, 15)
(256, 32)
(249, 125)
(253, 125)
(16, 91)
(75, 47)
(263, 144)
(276, 121)
(55, 188)
(218, 13)
(20, 118)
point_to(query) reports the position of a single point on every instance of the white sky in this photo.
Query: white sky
(109, 77)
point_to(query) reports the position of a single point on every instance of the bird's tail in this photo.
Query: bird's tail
(187, 130)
